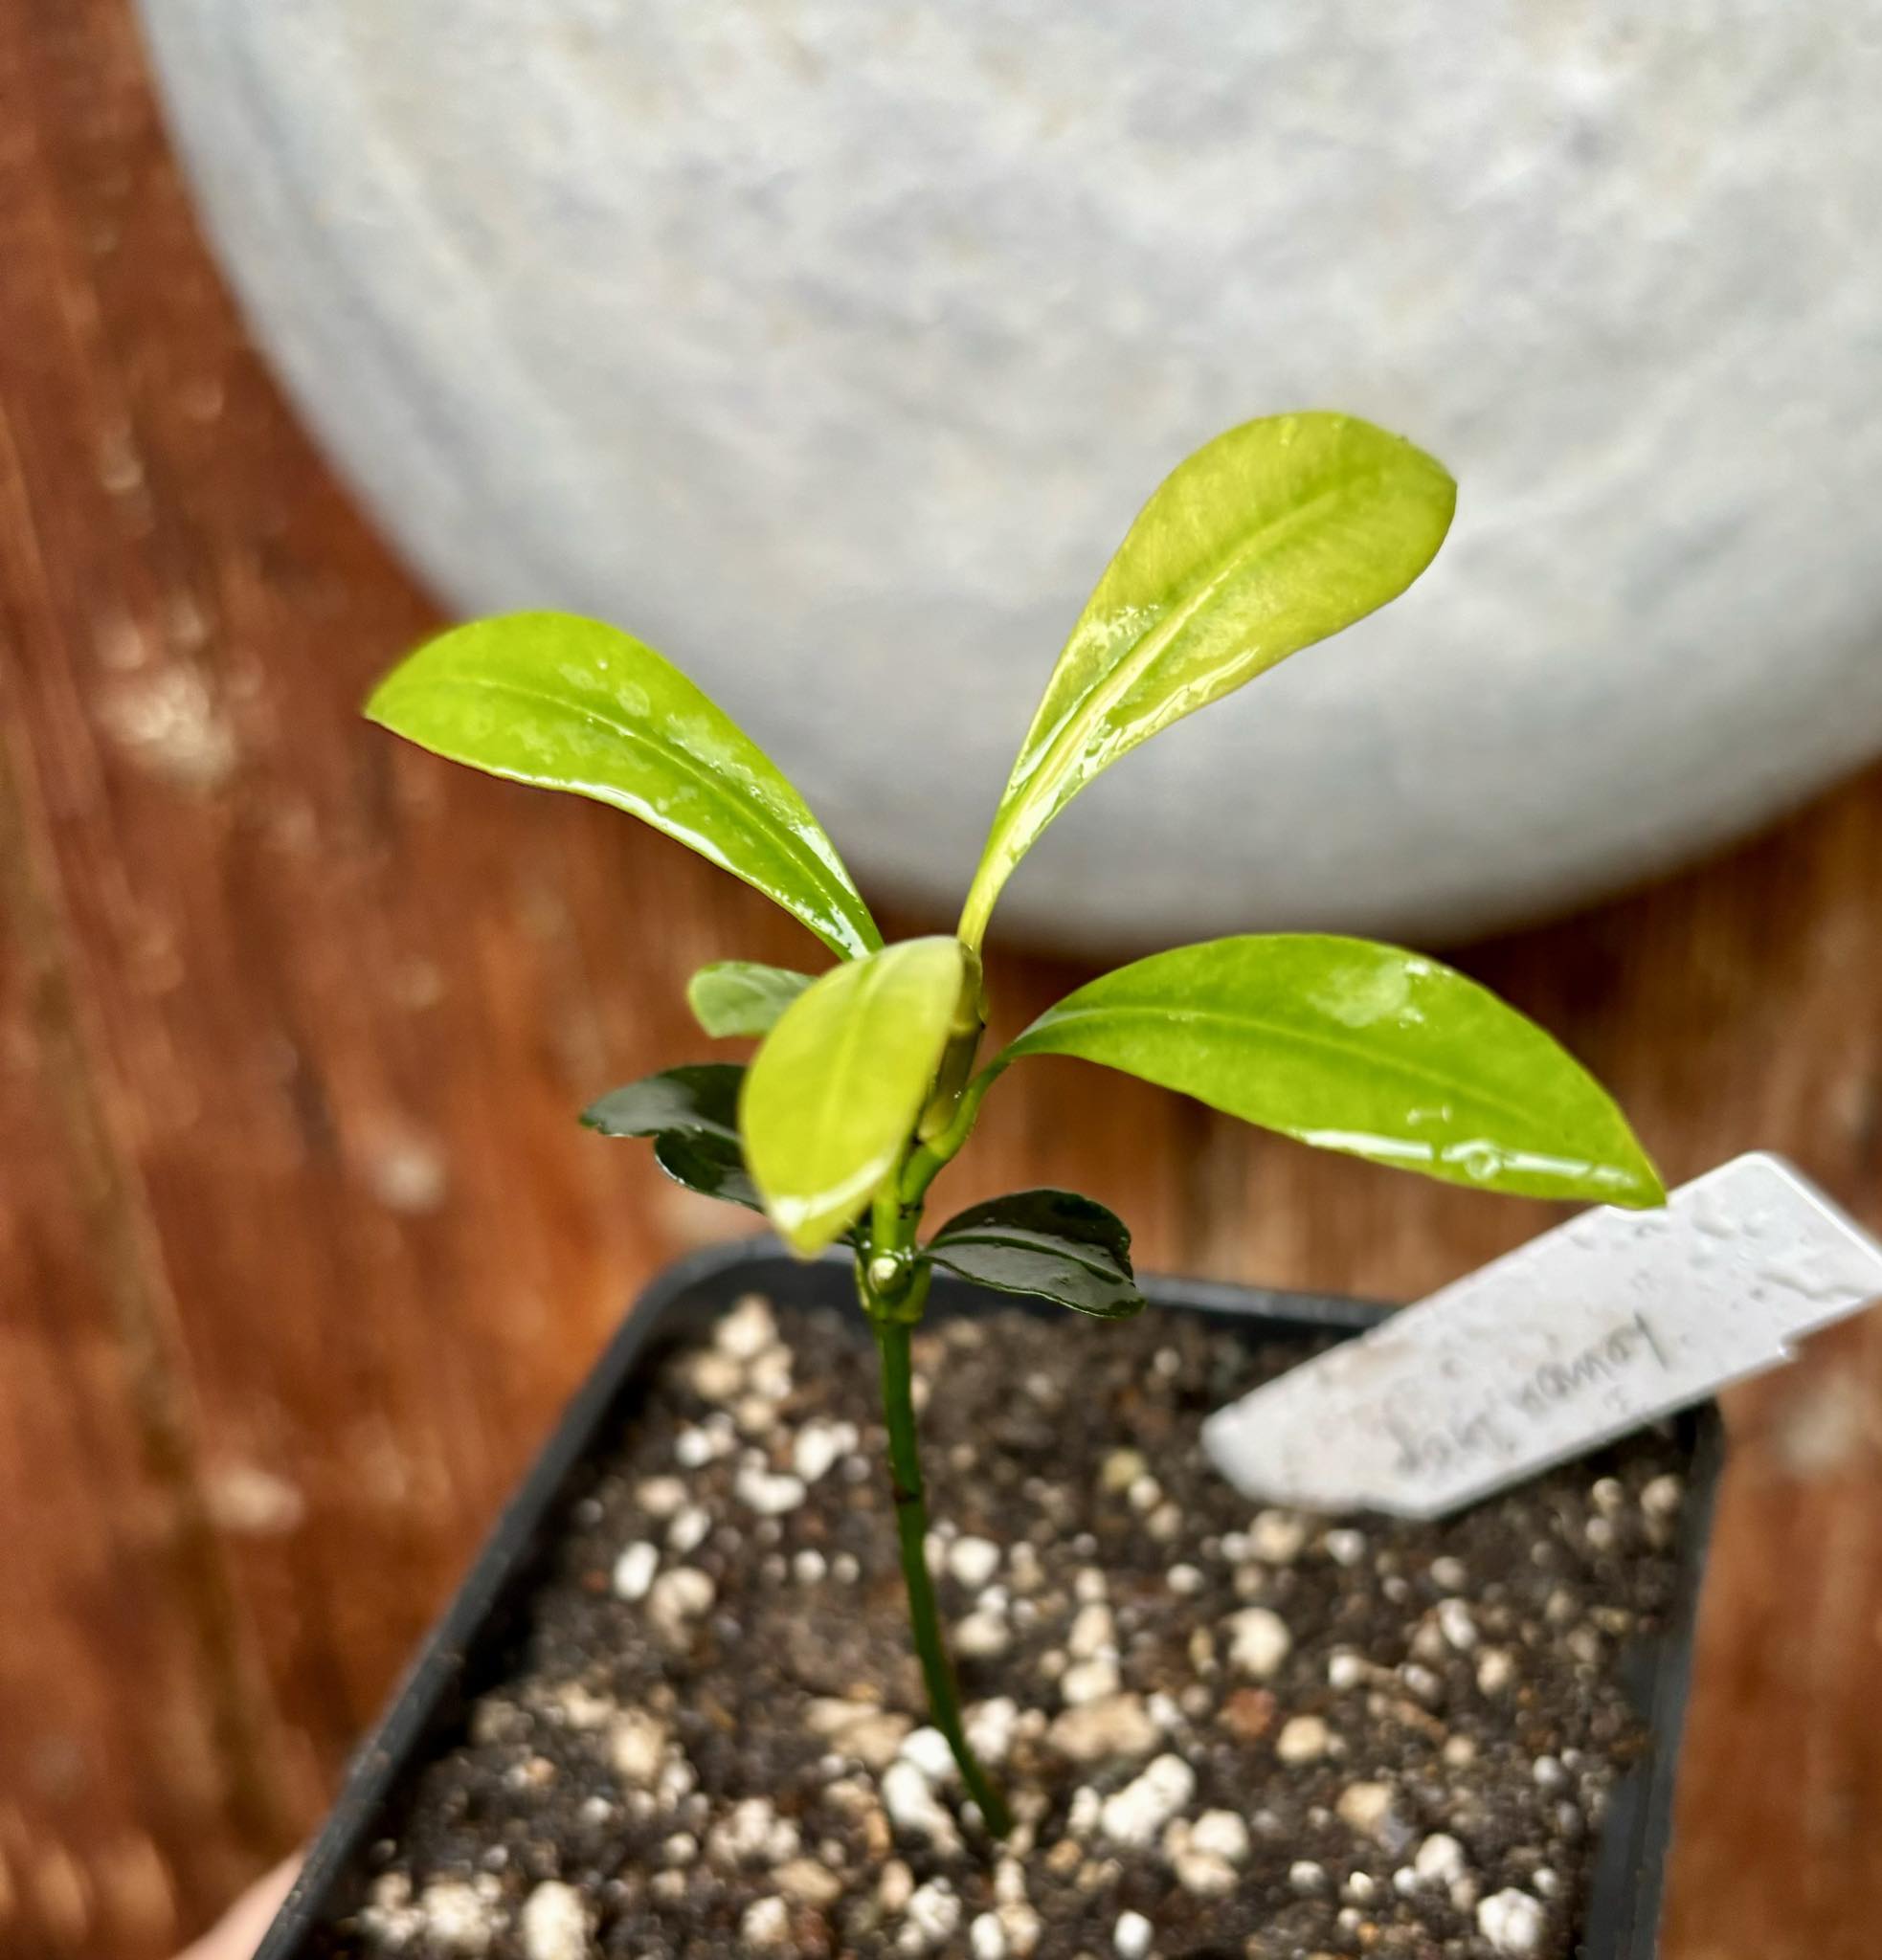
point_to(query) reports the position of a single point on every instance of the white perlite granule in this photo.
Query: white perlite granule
(1511, 1921)
(1138, 1812)
(1132, 1936)
(1258, 1641)
(554, 1923)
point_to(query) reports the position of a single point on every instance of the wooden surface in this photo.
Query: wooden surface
(299, 1249)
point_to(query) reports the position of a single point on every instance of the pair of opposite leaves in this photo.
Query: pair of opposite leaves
(1275, 535)
(1051, 1243)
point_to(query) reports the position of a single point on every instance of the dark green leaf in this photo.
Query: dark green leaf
(1359, 1047)
(833, 1095)
(1274, 535)
(698, 1099)
(570, 703)
(708, 1164)
(691, 1114)
(742, 997)
(1051, 1243)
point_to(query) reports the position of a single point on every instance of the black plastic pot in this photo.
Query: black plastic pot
(469, 1644)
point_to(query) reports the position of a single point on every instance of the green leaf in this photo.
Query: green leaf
(708, 1164)
(570, 703)
(831, 1096)
(691, 1113)
(1359, 1047)
(1269, 538)
(698, 1099)
(1051, 1243)
(742, 997)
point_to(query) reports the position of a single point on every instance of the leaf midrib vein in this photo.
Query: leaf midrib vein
(1121, 678)
(782, 838)
(1280, 1030)
(1098, 1264)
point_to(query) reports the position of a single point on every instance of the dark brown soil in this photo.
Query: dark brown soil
(724, 1764)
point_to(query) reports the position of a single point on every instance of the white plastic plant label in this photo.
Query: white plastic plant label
(1590, 1330)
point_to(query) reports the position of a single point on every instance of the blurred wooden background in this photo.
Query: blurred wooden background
(299, 1249)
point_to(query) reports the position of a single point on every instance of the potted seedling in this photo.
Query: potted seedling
(866, 1082)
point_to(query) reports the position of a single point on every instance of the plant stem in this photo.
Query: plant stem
(893, 1342)
(892, 1282)
(927, 1161)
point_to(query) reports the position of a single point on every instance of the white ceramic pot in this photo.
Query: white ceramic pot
(830, 347)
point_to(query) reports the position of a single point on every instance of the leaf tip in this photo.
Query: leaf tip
(378, 706)
(1644, 1188)
(1437, 488)
(1627, 1176)
(700, 1001)
(805, 1235)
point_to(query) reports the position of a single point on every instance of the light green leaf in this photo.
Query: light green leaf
(830, 1099)
(741, 997)
(1359, 1047)
(568, 703)
(1269, 538)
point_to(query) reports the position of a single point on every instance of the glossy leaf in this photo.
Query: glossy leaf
(1357, 1047)
(691, 1113)
(1049, 1243)
(1269, 538)
(710, 1164)
(698, 1098)
(742, 997)
(570, 703)
(831, 1096)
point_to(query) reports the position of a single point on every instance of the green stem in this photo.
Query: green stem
(927, 1161)
(970, 1019)
(892, 1334)
(892, 1282)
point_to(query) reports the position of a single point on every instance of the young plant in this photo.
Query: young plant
(870, 1076)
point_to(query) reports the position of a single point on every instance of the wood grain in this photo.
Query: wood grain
(300, 1250)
